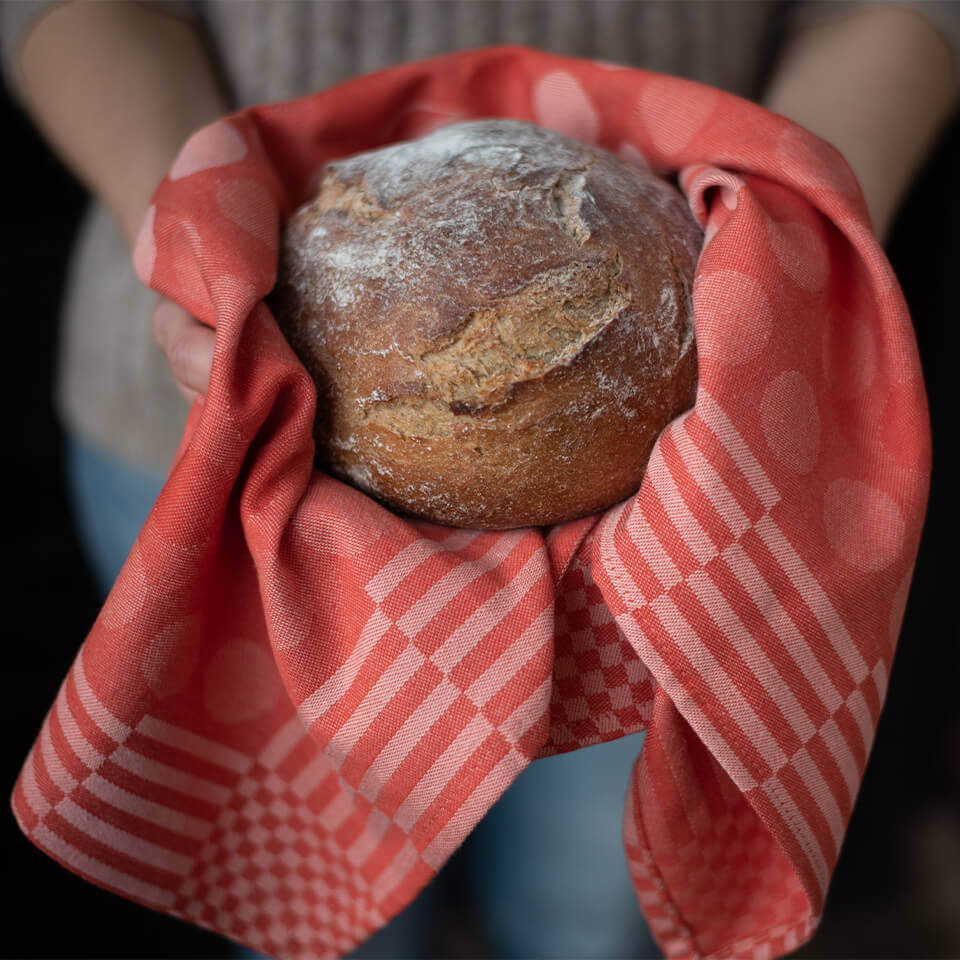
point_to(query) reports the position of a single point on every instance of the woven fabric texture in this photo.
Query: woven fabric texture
(295, 705)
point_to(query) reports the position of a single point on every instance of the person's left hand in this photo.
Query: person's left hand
(188, 345)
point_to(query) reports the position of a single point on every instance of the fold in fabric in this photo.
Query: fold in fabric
(295, 705)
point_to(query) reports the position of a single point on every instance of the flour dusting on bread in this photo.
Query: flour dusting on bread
(484, 310)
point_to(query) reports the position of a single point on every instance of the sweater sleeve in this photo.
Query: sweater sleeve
(18, 18)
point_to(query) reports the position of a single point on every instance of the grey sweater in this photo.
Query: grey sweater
(114, 387)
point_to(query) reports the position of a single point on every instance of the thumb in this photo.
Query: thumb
(188, 346)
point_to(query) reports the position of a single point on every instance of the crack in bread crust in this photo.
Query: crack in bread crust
(354, 199)
(497, 350)
(566, 201)
(525, 336)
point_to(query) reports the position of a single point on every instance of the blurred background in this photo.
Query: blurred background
(896, 892)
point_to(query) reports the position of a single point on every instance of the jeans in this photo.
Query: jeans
(549, 874)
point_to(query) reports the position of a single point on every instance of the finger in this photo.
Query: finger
(189, 394)
(190, 355)
(168, 319)
(188, 345)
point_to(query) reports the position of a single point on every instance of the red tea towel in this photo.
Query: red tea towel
(295, 705)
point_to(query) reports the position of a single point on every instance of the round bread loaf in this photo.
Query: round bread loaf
(498, 320)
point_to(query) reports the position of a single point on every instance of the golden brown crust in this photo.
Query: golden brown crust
(498, 320)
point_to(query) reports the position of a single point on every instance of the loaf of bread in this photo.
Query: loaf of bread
(498, 321)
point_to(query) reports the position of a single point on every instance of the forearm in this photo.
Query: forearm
(879, 85)
(116, 88)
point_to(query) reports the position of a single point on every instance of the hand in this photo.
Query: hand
(188, 345)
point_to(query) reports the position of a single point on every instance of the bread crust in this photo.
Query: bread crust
(498, 319)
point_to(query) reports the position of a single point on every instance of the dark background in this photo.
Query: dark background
(896, 892)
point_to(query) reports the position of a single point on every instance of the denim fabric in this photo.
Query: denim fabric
(551, 870)
(110, 499)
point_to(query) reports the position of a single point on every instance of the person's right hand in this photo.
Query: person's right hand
(188, 346)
